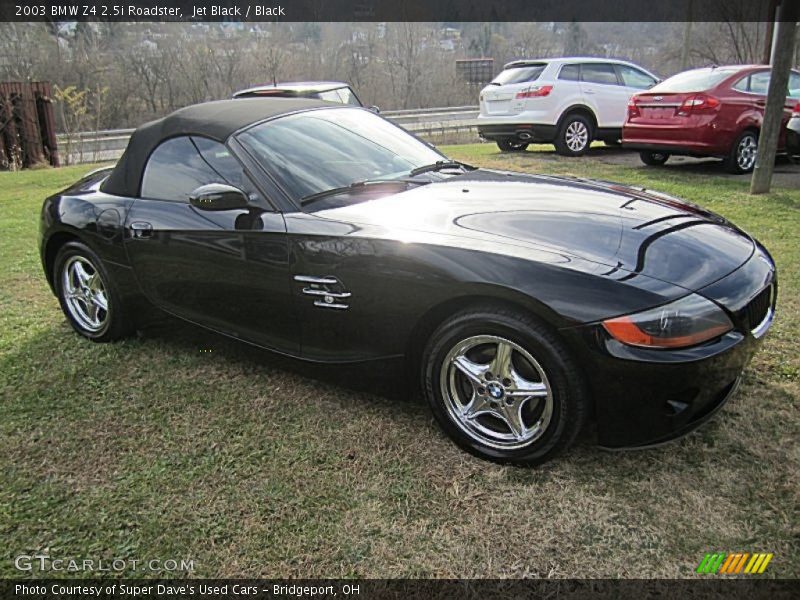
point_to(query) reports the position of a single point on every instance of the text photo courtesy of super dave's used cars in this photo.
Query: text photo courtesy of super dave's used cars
(524, 305)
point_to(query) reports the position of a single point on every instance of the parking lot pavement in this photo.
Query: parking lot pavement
(786, 174)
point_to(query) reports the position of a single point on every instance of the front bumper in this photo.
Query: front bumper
(651, 403)
(646, 397)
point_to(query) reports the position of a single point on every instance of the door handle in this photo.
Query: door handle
(141, 230)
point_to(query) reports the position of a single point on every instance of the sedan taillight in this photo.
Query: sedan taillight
(633, 109)
(699, 103)
(537, 91)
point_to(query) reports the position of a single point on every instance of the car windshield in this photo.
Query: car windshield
(325, 149)
(519, 74)
(697, 80)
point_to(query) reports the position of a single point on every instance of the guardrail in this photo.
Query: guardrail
(443, 124)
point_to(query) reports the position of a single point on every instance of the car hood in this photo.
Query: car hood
(628, 230)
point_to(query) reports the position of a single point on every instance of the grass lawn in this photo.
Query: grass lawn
(156, 449)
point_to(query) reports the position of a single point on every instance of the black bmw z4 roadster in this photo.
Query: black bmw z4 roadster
(525, 305)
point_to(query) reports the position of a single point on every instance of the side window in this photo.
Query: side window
(634, 78)
(225, 165)
(794, 85)
(181, 165)
(759, 83)
(570, 73)
(330, 96)
(743, 85)
(598, 73)
(174, 170)
(348, 97)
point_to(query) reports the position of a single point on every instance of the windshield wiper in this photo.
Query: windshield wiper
(354, 186)
(438, 166)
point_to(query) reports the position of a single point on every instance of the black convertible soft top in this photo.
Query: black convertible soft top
(214, 120)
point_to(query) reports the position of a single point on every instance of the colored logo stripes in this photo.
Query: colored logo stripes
(733, 564)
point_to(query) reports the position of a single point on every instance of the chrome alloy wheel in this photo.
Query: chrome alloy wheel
(496, 392)
(85, 294)
(576, 136)
(746, 152)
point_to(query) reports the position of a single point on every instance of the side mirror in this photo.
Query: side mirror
(218, 196)
(375, 109)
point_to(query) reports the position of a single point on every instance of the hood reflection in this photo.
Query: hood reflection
(559, 220)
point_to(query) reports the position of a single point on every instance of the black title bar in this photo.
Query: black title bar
(386, 10)
(397, 589)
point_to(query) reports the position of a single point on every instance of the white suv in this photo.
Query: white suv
(567, 102)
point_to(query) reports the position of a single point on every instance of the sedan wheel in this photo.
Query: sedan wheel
(503, 386)
(654, 159)
(742, 157)
(87, 296)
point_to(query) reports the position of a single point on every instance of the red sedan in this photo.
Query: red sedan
(713, 111)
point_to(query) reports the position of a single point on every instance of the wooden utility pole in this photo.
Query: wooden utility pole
(766, 57)
(687, 38)
(776, 97)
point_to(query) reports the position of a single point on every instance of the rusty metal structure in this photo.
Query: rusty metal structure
(27, 125)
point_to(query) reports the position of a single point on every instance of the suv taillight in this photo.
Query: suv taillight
(699, 103)
(796, 110)
(633, 109)
(537, 91)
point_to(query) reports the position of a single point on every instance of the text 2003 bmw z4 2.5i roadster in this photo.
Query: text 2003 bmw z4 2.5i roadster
(524, 304)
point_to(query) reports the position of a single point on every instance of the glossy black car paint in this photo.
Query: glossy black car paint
(572, 252)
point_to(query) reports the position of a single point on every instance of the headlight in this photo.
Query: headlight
(686, 322)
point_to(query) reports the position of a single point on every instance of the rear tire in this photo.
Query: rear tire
(489, 414)
(88, 296)
(654, 159)
(511, 145)
(742, 156)
(574, 136)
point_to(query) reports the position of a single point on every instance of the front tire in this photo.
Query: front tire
(511, 145)
(742, 156)
(87, 295)
(574, 136)
(654, 159)
(503, 386)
